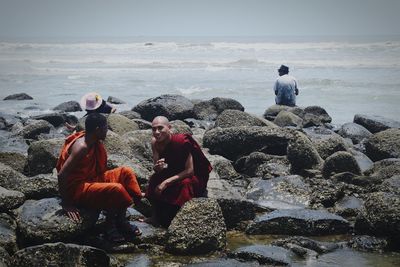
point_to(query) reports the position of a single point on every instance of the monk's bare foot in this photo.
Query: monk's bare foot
(150, 220)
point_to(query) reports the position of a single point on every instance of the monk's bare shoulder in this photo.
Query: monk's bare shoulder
(79, 148)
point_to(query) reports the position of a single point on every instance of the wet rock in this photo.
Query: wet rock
(143, 124)
(392, 184)
(288, 192)
(354, 131)
(234, 142)
(115, 100)
(130, 114)
(20, 96)
(180, 127)
(232, 118)
(174, 107)
(299, 222)
(363, 161)
(271, 112)
(325, 193)
(43, 156)
(5, 258)
(60, 254)
(42, 221)
(317, 246)
(258, 164)
(8, 234)
(375, 124)
(34, 128)
(327, 146)
(236, 211)
(56, 119)
(224, 263)
(349, 206)
(9, 178)
(10, 199)
(39, 186)
(381, 215)
(285, 119)
(210, 109)
(150, 234)
(269, 255)
(382, 145)
(202, 124)
(302, 154)
(368, 243)
(198, 228)
(120, 124)
(315, 116)
(15, 160)
(8, 120)
(69, 106)
(340, 162)
(384, 169)
(218, 188)
(224, 168)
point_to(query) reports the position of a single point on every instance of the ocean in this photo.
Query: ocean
(346, 76)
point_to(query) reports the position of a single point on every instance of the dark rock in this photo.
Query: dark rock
(392, 184)
(317, 246)
(120, 124)
(315, 116)
(143, 124)
(238, 141)
(56, 119)
(9, 178)
(210, 109)
(349, 206)
(384, 169)
(39, 186)
(340, 162)
(224, 263)
(7, 120)
(381, 215)
(354, 131)
(325, 193)
(258, 164)
(15, 160)
(130, 114)
(8, 234)
(269, 255)
(34, 128)
(329, 145)
(174, 107)
(235, 211)
(21, 96)
(375, 123)
(10, 199)
(60, 254)
(368, 243)
(363, 161)
(286, 118)
(44, 221)
(382, 145)
(302, 154)
(69, 106)
(198, 228)
(299, 222)
(224, 168)
(232, 118)
(115, 100)
(203, 124)
(5, 258)
(271, 112)
(43, 156)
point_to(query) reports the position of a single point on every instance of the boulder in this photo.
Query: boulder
(20, 96)
(288, 119)
(232, 118)
(8, 120)
(329, 145)
(60, 254)
(363, 161)
(130, 114)
(120, 124)
(42, 221)
(210, 109)
(10, 199)
(271, 112)
(299, 222)
(43, 156)
(9, 178)
(143, 124)
(383, 145)
(349, 206)
(325, 193)
(340, 162)
(199, 124)
(302, 154)
(115, 100)
(57, 119)
(375, 124)
(39, 186)
(8, 234)
(118, 145)
(315, 116)
(198, 228)
(236, 211)
(5, 258)
(174, 107)
(34, 128)
(368, 243)
(235, 142)
(354, 131)
(224, 168)
(384, 169)
(180, 127)
(381, 215)
(263, 254)
(258, 164)
(15, 160)
(142, 174)
(317, 246)
(69, 106)
(223, 263)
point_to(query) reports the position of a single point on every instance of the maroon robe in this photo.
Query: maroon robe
(175, 155)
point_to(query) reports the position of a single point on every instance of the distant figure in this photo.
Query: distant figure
(181, 171)
(285, 88)
(84, 180)
(92, 103)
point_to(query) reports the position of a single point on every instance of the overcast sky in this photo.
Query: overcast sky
(126, 18)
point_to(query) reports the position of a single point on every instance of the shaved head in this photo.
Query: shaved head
(161, 120)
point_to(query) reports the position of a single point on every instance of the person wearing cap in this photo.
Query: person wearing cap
(85, 182)
(285, 88)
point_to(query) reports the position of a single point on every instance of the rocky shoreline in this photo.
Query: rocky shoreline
(289, 173)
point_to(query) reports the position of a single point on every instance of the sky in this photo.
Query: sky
(126, 18)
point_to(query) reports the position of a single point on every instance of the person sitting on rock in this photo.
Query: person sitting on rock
(285, 88)
(181, 171)
(84, 180)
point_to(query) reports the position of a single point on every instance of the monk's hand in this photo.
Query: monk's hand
(72, 213)
(160, 188)
(160, 165)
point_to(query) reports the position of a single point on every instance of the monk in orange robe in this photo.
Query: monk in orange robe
(85, 182)
(181, 171)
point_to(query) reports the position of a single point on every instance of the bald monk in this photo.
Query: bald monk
(181, 171)
(84, 180)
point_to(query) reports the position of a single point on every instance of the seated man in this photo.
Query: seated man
(285, 88)
(181, 171)
(84, 181)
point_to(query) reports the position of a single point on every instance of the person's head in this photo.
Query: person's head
(96, 124)
(161, 128)
(283, 70)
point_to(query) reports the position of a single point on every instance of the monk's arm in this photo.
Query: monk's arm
(158, 163)
(187, 172)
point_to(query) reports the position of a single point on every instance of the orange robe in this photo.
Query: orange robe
(90, 185)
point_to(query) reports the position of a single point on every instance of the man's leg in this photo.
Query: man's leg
(126, 177)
